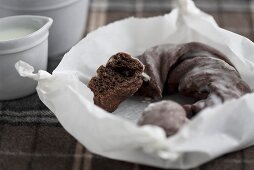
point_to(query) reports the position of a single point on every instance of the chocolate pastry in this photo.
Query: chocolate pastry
(121, 78)
(168, 115)
(207, 79)
(195, 70)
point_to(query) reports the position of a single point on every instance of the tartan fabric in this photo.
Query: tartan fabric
(31, 136)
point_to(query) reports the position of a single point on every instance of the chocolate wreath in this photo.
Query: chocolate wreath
(192, 69)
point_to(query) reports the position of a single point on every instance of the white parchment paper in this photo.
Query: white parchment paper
(214, 132)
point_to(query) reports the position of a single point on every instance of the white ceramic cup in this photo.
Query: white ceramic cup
(31, 48)
(69, 20)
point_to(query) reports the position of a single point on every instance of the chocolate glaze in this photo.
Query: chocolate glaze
(167, 114)
(193, 69)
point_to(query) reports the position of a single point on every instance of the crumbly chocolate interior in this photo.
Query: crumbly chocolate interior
(106, 80)
(125, 65)
(119, 79)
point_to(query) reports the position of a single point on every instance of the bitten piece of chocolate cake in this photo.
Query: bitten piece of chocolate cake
(121, 78)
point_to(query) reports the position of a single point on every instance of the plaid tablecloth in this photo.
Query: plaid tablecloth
(31, 137)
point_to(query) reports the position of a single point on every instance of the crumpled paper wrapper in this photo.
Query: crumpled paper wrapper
(214, 132)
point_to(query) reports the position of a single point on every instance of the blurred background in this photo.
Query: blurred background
(234, 15)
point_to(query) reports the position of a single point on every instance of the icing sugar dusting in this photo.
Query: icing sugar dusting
(215, 99)
(145, 77)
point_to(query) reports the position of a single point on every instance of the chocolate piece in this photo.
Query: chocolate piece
(121, 78)
(167, 114)
(193, 69)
